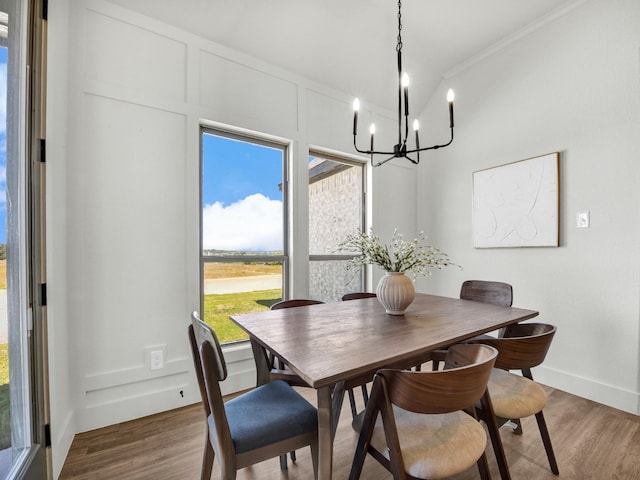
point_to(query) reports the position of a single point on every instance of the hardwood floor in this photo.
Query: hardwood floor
(591, 441)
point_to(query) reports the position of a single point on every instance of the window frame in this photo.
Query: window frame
(355, 162)
(256, 139)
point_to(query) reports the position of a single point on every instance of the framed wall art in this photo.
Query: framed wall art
(517, 204)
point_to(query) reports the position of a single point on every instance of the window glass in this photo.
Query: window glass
(242, 228)
(336, 209)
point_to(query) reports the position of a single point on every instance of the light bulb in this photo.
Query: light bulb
(416, 124)
(405, 80)
(356, 105)
(450, 96)
(372, 129)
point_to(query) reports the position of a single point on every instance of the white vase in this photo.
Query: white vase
(395, 292)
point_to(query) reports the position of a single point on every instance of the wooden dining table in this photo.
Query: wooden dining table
(336, 346)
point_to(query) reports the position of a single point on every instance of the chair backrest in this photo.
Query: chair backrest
(462, 383)
(357, 295)
(496, 293)
(210, 370)
(523, 346)
(295, 302)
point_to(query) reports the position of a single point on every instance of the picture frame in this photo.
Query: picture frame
(517, 204)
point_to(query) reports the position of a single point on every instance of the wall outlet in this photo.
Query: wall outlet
(154, 356)
(156, 359)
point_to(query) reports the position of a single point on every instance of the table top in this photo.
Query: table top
(330, 342)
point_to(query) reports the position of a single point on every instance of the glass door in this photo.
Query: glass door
(23, 432)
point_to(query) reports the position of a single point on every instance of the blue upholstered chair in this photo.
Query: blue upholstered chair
(263, 423)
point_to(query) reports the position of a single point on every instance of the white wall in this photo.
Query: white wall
(573, 87)
(126, 97)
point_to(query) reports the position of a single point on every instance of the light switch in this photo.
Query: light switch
(582, 219)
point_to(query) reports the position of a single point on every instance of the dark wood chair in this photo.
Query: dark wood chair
(357, 295)
(275, 362)
(279, 369)
(365, 393)
(427, 426)
(294, 302)
(496, 293)
(263, 423)
(522, 347)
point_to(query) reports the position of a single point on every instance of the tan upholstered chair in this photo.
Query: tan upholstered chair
(415, 424)
(263, 423)
(522, 347)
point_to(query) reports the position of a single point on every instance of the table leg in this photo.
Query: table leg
(325, 433)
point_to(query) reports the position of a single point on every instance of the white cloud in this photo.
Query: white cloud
(3, 97)
(253, 223)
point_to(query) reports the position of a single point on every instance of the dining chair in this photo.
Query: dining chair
(274, 361)
(485, 291)
(263, 423)
(365, 393)
(278, 368)
(422, 425)
(522, 347)
(357, 295)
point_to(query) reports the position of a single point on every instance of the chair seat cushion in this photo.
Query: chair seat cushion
(514, 396)
(268, 414)
(434, 446)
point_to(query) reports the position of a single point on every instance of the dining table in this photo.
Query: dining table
(340, 345)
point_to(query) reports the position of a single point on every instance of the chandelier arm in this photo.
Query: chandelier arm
(434, 147)
(381, 162)
(370, 152)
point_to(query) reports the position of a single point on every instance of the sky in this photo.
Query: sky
(242, 202)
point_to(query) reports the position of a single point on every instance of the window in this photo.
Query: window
(243, 254)
(336, 208)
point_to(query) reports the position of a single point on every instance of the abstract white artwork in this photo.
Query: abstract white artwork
(516, 205)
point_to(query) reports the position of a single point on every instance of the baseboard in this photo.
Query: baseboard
(588, 388)
(61, 443)
(118, 396)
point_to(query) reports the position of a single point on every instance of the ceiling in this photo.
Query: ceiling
(350, 45)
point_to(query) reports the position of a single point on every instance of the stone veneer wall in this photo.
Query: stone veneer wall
(335, 210)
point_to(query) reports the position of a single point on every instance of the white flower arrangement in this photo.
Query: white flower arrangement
(414, 257)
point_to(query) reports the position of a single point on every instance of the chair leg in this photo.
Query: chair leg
(207, 459)
(283, 462)
(516, 426)
(485, 412)
(365, 394)
(483, 467)
(352, 402)
(546, 440)
(292, 454)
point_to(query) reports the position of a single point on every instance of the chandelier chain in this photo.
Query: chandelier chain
(399, 45)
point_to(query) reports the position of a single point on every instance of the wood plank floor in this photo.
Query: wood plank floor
(591, 441)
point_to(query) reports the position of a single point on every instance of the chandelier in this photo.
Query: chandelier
(401, 149)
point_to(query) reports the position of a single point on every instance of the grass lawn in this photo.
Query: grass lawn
(218, 307)
(5, 423)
